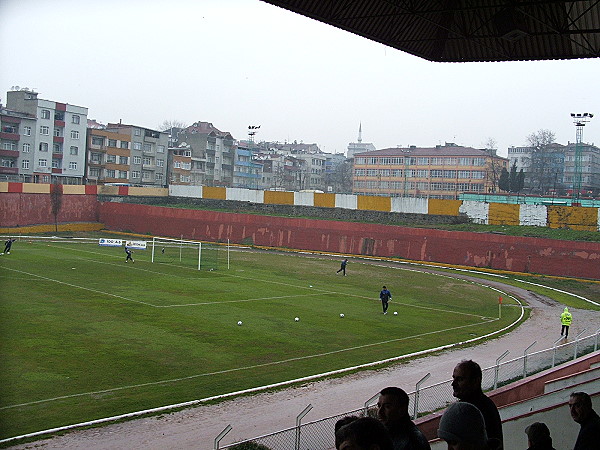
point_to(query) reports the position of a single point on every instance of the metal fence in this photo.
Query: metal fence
(319, 434)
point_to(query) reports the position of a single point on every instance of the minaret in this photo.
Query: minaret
(359, 132)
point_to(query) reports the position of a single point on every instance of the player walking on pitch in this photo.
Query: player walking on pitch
(385, 297)
(129, 252)
(343, 266)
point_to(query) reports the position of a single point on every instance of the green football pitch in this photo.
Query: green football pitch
(87, 336)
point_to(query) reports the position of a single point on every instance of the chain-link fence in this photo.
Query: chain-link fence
(319, 434)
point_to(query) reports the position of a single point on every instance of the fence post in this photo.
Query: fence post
(525, 359)
(577, 343)
(497, 368)
(554, 349)
(221, 435)
(368, 402)
(596, 340)
(417, 388)
(304, 412)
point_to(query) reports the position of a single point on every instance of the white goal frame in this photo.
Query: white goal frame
(181, 243)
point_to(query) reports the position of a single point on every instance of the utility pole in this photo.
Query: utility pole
(579, 120)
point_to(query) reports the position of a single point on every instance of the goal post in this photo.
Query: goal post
(200, 255)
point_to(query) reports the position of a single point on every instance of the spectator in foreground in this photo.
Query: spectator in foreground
(365, 433)
(580, 404)
(538, 437)
(392, 411)
(463, 428)
(466, 384)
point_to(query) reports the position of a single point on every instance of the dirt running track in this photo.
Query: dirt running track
(196, 428)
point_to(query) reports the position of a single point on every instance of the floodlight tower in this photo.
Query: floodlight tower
(579, 120)
(252, 130)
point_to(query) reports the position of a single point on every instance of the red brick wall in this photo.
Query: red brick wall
(551, 257)
(21, 209)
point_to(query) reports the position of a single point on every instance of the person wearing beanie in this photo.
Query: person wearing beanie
(466, 386)
(538, 437)
(463, 428)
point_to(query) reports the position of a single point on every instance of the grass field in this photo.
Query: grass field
(86, 336)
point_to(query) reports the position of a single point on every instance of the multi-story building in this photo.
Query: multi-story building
(590, 167)
(313, 175)
(247, 173)
(57, 152)
(108, 156)
(180, 164)
(147, 155)
(440, 172)
(213, 153)
(17, 144)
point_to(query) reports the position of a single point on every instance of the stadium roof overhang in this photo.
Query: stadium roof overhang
(466, 30)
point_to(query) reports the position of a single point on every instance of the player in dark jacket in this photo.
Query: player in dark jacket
(385, 297)
(129, 252)
(7, 245)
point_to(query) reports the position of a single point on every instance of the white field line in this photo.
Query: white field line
(255, 366)
(562, 292)
(260, 388)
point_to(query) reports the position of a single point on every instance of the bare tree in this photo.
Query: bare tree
(169, 124)
(540, 176)
(56, 192)
(494, 169)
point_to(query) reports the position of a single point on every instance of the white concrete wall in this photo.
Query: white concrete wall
(176, 190)
(410, 205)
(347, 201)
(476, 211)
(535, 215)
(245, 195)
(304, 198)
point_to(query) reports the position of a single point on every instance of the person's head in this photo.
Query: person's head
(384, 287)
(538, 434)
(344, 421)
(365, 433)
(392, 405)
(463, 428)
(580, 405)
(466, 379)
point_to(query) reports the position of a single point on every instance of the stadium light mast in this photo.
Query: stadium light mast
(579, 120)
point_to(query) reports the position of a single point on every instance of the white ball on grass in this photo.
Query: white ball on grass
(297, 319)
(239, 322)
(342, 315)
(395, 313)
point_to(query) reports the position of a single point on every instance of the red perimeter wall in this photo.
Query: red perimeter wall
(22, 209)
(519, 254)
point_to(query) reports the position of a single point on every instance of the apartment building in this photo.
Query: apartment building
(108, 157)
(180, 164)
(53, 138)
(439, 172)
(247, 173)
(17, 144)
(146, 156)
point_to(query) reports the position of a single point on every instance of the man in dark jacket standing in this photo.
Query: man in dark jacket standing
(392, 411)
(580, 404)
(385, 297)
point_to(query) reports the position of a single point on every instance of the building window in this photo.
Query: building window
(9, 146)
(146, 175)
(137, 159)
(75, 119)
(160, 148)
(123, 160)
(94, 172)
(56, 148)
(73, 165)
(45, 114)
(26, 131)
(146, 161)
(135, 174)
(147, 147)
(57, 132)
(137, 145)
(187, 153)
(95, 157)
(177, 164)
(43, 146)
(111, 158)
(97, 140)
(122, 174)
(112, 142)
(124, 144)
(25, 164)
(160, 163)
(110, 173)
(43, 163)
(26, 148)
(74, 134)
(159, 177)
(56, 163)
(74, 150)
(45, 131)
(137, 132)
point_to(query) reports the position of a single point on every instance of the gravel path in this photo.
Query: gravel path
(196, 428)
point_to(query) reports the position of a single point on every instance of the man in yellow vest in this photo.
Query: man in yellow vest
(565, 320)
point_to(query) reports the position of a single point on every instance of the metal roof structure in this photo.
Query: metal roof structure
(466, 30)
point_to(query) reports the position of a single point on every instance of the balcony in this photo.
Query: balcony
(57, 155)
(9, 170)
(59, 123)
(9, 153)
(55, 170)
(9, 136)
(148, 167)
(60, 139)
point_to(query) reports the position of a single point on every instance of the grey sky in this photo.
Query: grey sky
(243, 62)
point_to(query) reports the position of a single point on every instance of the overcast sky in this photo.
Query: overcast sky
(243, 62)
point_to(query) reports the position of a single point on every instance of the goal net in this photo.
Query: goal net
(200, 255)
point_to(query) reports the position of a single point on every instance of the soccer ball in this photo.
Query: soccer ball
(297, 319)
(342, 315)
(239, 322)
(310, 285)
(395, 313)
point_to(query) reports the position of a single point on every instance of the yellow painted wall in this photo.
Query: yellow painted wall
(108, 190)
(148, 191)
(574, 217)
(443, 207)
(3, 186)
(373, 203)
(279, 198)
(73, 189)
(324, 200)
(33, 188)
(503, 214)
(215, 193)
(48, 228)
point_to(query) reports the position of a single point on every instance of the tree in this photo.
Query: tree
(503, 182)
(56, 201)
(169, 124)
(513, 181)
(540, 176)
(494, 170)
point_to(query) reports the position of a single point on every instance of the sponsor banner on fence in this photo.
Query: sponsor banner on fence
(110, 242)
(140, 245)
